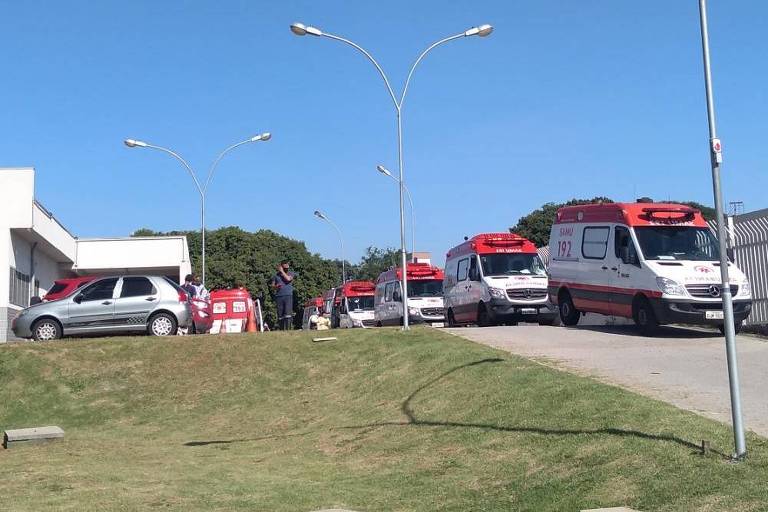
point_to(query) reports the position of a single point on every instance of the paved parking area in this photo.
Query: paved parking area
(685, 367)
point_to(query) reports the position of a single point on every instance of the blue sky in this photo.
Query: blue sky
(565, 99)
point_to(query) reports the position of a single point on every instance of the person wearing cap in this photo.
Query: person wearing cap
(282, 283)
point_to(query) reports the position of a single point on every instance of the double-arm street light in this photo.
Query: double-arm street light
(383, 170)
(202, 189)
(320, 215)
(483, 30)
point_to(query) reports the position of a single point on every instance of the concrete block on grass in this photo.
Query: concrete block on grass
(34, 434)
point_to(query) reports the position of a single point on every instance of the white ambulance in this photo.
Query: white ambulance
(495, 278)
(656, 263)
(425, 296)
(355, 304)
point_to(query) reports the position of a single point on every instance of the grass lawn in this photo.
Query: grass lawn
(378, 420)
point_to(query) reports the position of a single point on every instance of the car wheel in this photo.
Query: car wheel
(483, 317)
(644, 317)
(569, 315)
(736, 327)
(46, 329)
(162, 324)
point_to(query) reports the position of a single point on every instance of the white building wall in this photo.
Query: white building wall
(17, 191)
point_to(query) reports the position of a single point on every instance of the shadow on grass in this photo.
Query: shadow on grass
(247, 440)
(413, 421)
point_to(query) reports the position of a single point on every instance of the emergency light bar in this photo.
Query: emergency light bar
(684, 214)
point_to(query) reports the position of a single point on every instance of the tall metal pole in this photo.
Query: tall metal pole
(716, 159)
(202, 189)
(383, 170)
(482, 31)
(320, 215)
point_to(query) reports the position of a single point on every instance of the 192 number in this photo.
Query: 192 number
(564, 249)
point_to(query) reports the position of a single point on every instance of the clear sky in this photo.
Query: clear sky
(565, 99)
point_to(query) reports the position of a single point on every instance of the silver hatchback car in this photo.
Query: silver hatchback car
(151, 304)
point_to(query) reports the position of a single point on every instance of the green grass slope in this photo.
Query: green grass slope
(377, 420)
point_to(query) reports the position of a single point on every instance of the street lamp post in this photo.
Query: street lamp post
(716, 158)
(383, 170)
(201, 189)
(483, 30)
(320, 215)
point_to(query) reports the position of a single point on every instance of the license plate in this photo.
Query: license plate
(713, 315)
(438, 324)
(529, 311)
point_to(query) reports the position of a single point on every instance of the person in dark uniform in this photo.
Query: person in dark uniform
(282, 283)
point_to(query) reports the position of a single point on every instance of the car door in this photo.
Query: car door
(625, 263)
(136, 299)
(93, 308)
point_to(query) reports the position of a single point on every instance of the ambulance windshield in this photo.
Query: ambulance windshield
(360, 303)
(512, 264)
(425, 288)
(677, 243)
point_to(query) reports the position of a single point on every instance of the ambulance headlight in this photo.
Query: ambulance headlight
(669, 287)
(497, 293)
(745, 289)
(414, 311)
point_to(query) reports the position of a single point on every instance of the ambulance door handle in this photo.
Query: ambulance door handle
(614, 268)
(604, 268)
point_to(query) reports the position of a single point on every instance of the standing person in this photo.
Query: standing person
(200, 289)
(189, 286)
(282, 283)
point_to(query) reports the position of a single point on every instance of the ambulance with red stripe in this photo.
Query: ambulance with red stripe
(656, 263)
(425, 296)
(355, 304)
(495, 278)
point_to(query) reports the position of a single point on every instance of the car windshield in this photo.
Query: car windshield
(677, 243)
(360, 303)
(512, 264)
(425, 288)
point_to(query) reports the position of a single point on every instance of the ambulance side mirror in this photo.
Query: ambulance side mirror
(396, 296)
(474, 274)
(729, 253)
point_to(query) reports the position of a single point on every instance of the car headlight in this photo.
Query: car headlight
(498, 293)
(669, 287)
(413, 311)
(745, 290)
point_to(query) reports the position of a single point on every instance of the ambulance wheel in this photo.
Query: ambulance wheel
(644, 317)
(378, 324)
(483, 317)
(451, 319)
(402, 323)
(736, 327)
(569, 315)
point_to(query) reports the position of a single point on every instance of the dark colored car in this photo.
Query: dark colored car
(64, 287)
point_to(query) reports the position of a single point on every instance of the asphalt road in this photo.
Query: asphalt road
(685, 367)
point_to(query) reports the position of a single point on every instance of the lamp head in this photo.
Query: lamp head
(132, 143)
(261, 136)
(383, 170)
(482, 31)
(301, 29)
(319, 214)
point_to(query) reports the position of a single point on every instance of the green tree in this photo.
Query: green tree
(375, 261)
(536, 225)
(239, 258)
